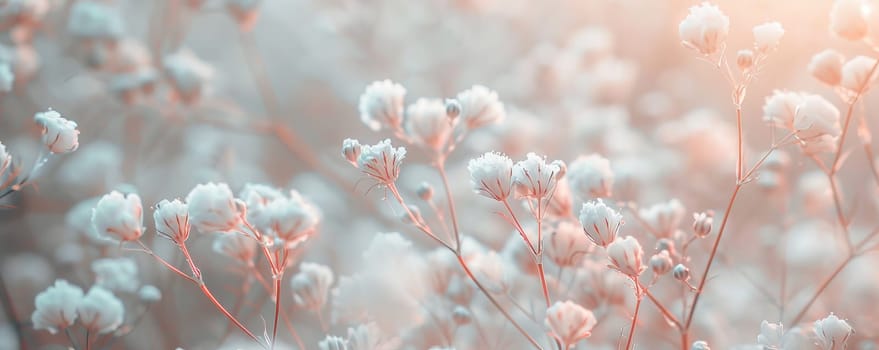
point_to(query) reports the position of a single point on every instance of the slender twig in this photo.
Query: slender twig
(638, 296)
(70, 338)
(441, 168)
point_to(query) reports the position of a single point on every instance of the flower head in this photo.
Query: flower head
(600, 222)
(771, 335)
(826, 66)
(59, 134)
(832, 332)
(381, 161)
(100, 311)
(566, 245)
(119, 217)
(428, 124)
(781, 107)
(591, 176)
(239, 247)
(767, 36)
(816, 117)
(480, 106)
(491, 175)
(848, 19)
(381, 105)
(534, 178)
(569, 322)
(116, 274)
(56, 307)
(351, 150)
(188, 74)
(292, 218)
(172, 220)
(664, 217)
(858, 74)
(625, 256)
(705, 29)
(213, 208)
(312, 285)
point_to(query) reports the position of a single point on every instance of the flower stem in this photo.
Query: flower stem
(638, 296)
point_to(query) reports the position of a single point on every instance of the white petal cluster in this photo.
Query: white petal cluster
(172, 220)
(239, 247)
(848, 19)
(833, 333)
(381, 105)
(95, 20)
(59, 134)
(428, 124)
(858, 74)
(705, 29)
(370, 337)
(291, 219)
(767, 36)
(600, 222)
(213, 208)
(119, 217)
(590, 177)
(771, 335)
(491, 175)
(565, 244)
(56, 307)
(311, 285)
(826, 66)
(535, 179)
(816, 117)
(116, 274)
(381, 161)
(780, 108)
(569, 322)
(188, 74)
(625, 255)
(100, 311)
(480, 106)
(665, 218)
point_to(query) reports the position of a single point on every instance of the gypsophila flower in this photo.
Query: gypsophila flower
(566, 245)
(591, 176)
(236, 246)
(381, 105)
(311, 285)
(100, 311)
(664, 218)
(256, 198)
(771, 335)
(332, 342)
(600, 222)
(816, 117)
(55, 307)
(370, 337)
(428, 124)
(569, 322)
(833, 333)
(661, 263)
(702, 223)
(119, 217)
(116, 274)
(491, 175)
(95, 20)
(172, 220)
(424, 191)
(213, 208)
(826, 66)
(858, 74)
(480, 106)
(59, 134)
(625, 255)
(381, 161)
(700, 345)
(189, 75)
(291, 218)
(681, 273)
(705, 29)
(149, 293)
(781, 107)
(848, 19)
(745, 59)
(535, 179)
(767, 36)
(351, 151)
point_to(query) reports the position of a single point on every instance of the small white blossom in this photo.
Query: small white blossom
(100, 311)
(55, 307)
(257, 198)
(815, 117)
(771, 335)
(332, 342)
(705, 29)
(236, 246)
(213, 208)
(702, 223)
(491, 175)
(625, 255)
(381, 161)
(665, 218)
(700, 345)
(833, 333)
(848, 19)
(480, 106)
(119, 217)
(116, 274)
(59, 134)
(189, 75)
(661, 263)
(826, 66)
(534, 178)
(95, 20)
(381, 105)
(565, 244)
(370, 337)
(351, 150)
(569, 322)
(781, 107)
(291, 218)
(767, 36)
(172, 220)
(149, 293)
(600, 222)
(428, 124)
(858, 74)
(312, 285)
(591, 176)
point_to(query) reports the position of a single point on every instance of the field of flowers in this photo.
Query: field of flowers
(437, 175)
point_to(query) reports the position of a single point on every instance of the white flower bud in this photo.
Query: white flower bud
(213, 208)
(566, 246)
(665, 218)
(702, 223)
(480, 106)
(311, 285)
(705, 29)
(428, 124)
(826, 66)
(461, 315)
(381, 105)
(332, 342)
(534, 178)
(700, 345)
(591, 176)
(118, 274)
(100, 311)
(424, 191)
(95, 20)
(681, 273)
(292, 218)
(816, 116)
(767, 36)
(625, 255)
(453, 108)
(745, 59)
(381, 161)
(172, 220)
(848, 19)
(256, 199)
(832, 333)
(404, 216)
(665, 244)
(661, 263)
(149, 294)
(119, 217)
(189, 75)
(351, 151)
(771, 335)
(858, 74)
(600, 222)
(236, 246)
(781, 107)
(59, 134)
(55, 307)
(491, 175)
(569, 322)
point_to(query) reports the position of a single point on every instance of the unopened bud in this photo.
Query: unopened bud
(453, 108)
(461, 315)
(415, 213)
(702, 223)
(666, 244)
(745, 59)
(681, 273)
(351, 151)
(424, 191)
(700, 345)
(661, 263)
